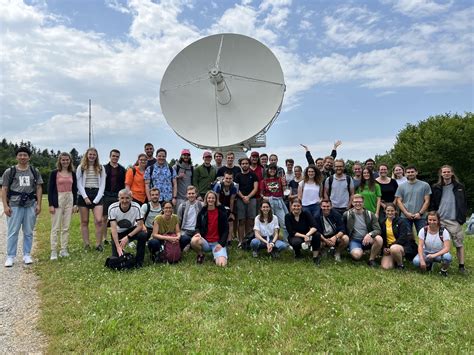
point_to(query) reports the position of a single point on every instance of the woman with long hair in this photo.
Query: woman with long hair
(310, 190)
(165, 230)
(371, 192)
(272, 190)
(266, 231)
(302, 231)
(388, 187)
(62, 197)
(434, 243)
(90, 185)
(397, 240)
(212, 229)
(398, 173)
(134, 179)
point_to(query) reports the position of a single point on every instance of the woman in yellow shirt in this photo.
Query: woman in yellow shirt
(397, 240)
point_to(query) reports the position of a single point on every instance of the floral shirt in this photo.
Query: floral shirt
(162, 178)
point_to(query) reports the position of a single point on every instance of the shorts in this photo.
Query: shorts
(357, 244)
(206, 247)
(108, 200)
(246, 211)
(92, 194)
(455, 230)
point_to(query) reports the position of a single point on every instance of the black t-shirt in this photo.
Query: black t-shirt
(246, 182)
(388, 190)
(235, 170)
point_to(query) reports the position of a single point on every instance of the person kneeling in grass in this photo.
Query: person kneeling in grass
(363, 228)
(126, 225)
(212, 230)
(397, 240)
(165, 230)
(329, 223)
(434, 245)
(266, 230)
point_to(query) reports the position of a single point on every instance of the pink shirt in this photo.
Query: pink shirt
(64, 183)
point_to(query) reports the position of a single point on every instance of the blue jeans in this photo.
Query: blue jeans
(419, 223)
(256, 244)
(24, 218)
(443, 259)
(279, 209)
(314, 209)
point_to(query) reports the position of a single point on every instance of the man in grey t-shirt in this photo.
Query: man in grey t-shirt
(413, 199)
(363, 228)
(339, 188)
(21, 197)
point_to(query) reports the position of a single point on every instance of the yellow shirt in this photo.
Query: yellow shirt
(390, 236)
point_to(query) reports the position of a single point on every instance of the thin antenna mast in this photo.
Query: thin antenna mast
(90, 123)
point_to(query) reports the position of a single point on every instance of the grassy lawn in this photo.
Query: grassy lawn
(261, 305)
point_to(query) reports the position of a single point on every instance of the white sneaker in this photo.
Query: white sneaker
(255, 254)
(9, 261)
(337, 257)
(132, 245)
(27, 259)
(54, 255)
(63, 254)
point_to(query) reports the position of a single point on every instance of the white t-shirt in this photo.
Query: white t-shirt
(433, 243)
(125, 219)
(310, 193)
(151, 215)
(266, 229)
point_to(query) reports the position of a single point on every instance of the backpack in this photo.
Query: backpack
(179, 167)
(124, 262)
(170, 253)
(440, 233)
(12, 178)
(330, 181)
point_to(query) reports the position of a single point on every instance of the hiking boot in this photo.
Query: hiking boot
(54, 255)
(9, 261)
(255, 254)
(200, 259)
(317, 260)
(372, 263)
(27, 260)
(443, 272)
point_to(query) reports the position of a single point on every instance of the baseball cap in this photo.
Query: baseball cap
(207, 154)
(185, 151)
(254, 154)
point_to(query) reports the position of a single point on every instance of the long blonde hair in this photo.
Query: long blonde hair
(70, 168)
(85, 161)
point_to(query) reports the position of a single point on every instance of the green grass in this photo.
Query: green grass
(253, 306)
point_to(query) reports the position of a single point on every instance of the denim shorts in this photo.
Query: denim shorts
(206, 247)
(357, 244)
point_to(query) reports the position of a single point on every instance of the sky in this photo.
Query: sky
(355, 71)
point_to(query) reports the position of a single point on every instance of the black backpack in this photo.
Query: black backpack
(12, 177)
(440, 233)
(124, 262)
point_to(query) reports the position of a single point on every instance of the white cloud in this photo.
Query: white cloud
(419, 8)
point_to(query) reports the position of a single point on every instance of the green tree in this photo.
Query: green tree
(434, 142)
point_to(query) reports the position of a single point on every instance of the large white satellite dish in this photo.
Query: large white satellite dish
(223, 91)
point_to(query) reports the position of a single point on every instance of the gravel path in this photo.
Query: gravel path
(19, 303)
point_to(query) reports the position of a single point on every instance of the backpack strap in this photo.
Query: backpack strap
(330, 181)
(440, 233)
(148, 208)
(348, 179)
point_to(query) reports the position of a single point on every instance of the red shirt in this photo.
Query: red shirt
(271, 187)
(212, 226)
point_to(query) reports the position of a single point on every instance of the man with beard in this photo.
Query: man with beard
(184, 175)
(149, 150)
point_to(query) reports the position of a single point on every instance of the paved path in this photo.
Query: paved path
(19, 303)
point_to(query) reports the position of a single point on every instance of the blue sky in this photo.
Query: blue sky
(355, 71)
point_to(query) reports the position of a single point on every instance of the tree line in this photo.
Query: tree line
(429, 144)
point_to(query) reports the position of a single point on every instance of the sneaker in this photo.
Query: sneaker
(372, 263)
(443, 272)
(462, 270)
(9, 261)
(255, 254)
(317, 260)
(64, 254)
(99, 248)
(131, 245)
(54, 255)
(200, 259)
(400, 267)
(27, 259)
(337, 258)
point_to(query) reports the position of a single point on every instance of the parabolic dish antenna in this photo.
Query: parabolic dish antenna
(224, 90)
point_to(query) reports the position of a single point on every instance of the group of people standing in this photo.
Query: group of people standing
(204, 207)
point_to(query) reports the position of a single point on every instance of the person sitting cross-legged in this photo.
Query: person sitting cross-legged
(363, 228)
(266, 230)
(329, 223)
